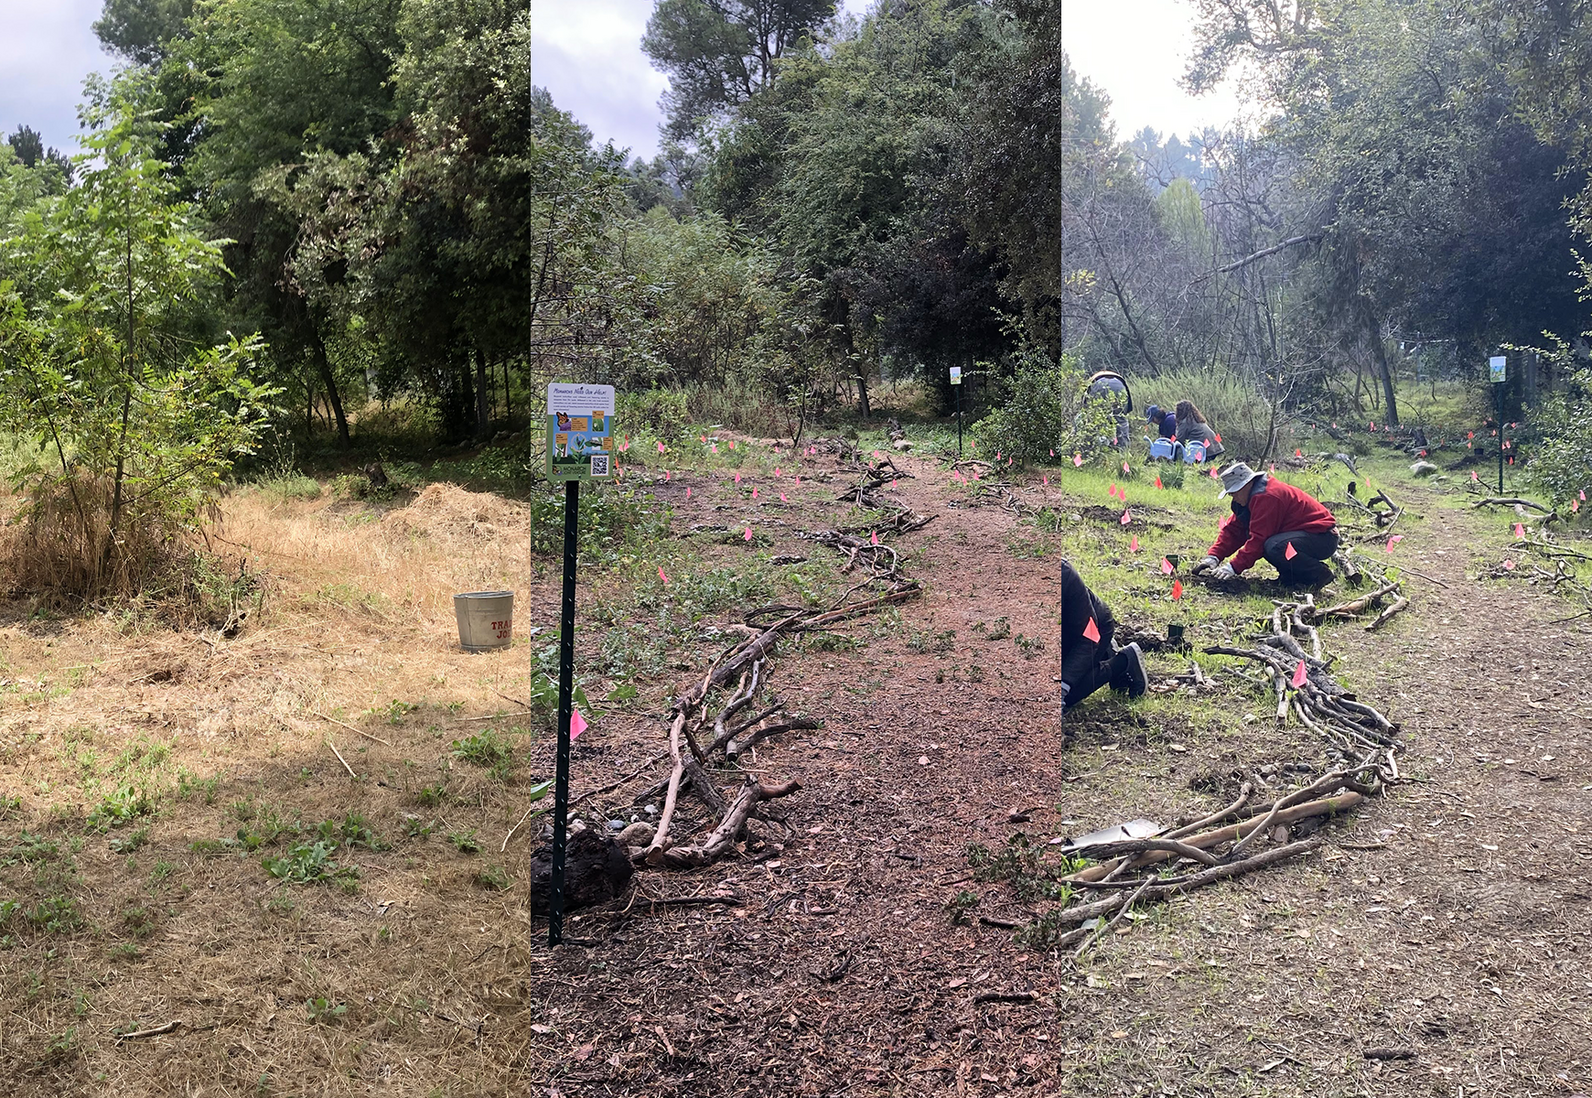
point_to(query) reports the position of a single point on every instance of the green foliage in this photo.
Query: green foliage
(325, 1012)
(1561, 464)
(1020, 865)
(119, 808)
(493, 878)
(309, 863)
(465, 841)
(488, 748)
(1041, 410)
(132, 411)
(959, 907)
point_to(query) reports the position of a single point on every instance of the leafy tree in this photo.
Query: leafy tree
(105, 295)
(719, 53)
(140, 30)
(28, 145)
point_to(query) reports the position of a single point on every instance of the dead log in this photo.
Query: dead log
(1398, 604)
(1511, 501)
(1326, 806)
(722, 837)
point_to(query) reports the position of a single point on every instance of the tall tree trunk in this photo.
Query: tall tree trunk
(324, 366)
(862, 393)
(1379, 349)
(483, 397)
(508, 400)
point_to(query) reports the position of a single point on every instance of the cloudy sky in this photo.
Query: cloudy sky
(588, 54)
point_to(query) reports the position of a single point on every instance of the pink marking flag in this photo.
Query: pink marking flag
(1394, 540)
(748, 534)
(1166, 567)
(660, 447)
(754, 493)
(666, 475)
(1298, 679)
(625, 445)
(1047, 480)
(1125, 468)
(663, 577)
(1218, 438)
(1213, 473)
(1298, 453)
(1575, 505)
(997, 455)
(1008, 463)
(1509, 565)
(577, 724)
(1470, 434)
(737, 477)
(688, 491)
(1158, 480)
(1421, 454)
(732, 444)
(1052, 452)
(893, 485)
(1133, 546)
(1473, 475)
(1373, 426)
(874, 540)
(1077, 461)
(715, 447)
(1091, 632)
(1127, 516)
(877, 456)
(782, 498)
(1583, 495)
(776, 470)
(1177, 590)
(1290, 553)
(1520, 529)
(1112, 491)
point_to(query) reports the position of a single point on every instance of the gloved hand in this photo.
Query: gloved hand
(1223, 571)
(1206, 565)
(1066, 688)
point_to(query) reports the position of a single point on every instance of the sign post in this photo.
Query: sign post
(580, 446)
(956, 382)
(1498, 372)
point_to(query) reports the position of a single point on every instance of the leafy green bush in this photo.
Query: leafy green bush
(1043, 412)
(1561, 466)
(659, 411)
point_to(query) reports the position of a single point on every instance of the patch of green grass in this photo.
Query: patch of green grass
(204, 788)
(309, 863)
(127, 844)
(9, 806)
(323, 1011)
(488, 748)
(120, 807)
(926, 640)
(465, 841)
(351, 831)
(493, 878)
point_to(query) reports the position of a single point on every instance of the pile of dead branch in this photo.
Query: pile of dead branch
(1366, 520)
(1302, 679)
(703, 737)
(864, 545)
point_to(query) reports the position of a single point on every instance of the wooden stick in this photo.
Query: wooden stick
(661, 837)
(723, 836)
(1398, 604)
(1245, 792)
(350, 727)
(342, 760)
(1115, 919)
(1510, 501)
(1340, 802)
(154, 1031)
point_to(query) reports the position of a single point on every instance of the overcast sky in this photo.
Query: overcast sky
(588, 54)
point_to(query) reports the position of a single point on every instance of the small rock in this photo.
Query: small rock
(1017, 816)
(616, 825)
(1423, 468)
(637, 834)
(651, 810)
(902, 445)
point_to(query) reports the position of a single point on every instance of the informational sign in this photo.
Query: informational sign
(1497, 367)
(580, 432)
(956, 375)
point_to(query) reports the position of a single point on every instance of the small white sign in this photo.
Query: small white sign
(581, 400)
(956, 375)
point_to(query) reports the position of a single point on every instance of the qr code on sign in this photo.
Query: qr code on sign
(599, 465)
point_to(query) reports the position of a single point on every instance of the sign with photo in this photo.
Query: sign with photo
(580, 432)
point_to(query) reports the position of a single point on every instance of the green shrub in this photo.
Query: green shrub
(658, 411)
(1561, 467)
(1042, 411)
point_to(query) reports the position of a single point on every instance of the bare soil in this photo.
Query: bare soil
(1444, 924)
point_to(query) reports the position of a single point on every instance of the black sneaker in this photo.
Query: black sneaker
(1127, 671)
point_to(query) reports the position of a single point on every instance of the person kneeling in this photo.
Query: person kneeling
(1271, 519)
(1089, 658)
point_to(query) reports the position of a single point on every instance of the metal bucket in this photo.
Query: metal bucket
(486, 619)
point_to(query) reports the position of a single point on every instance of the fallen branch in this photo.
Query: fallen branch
(154, 1031)
(1398, 604)
(342, 760)
(351, 728)
(723, 836)
(1511, 501)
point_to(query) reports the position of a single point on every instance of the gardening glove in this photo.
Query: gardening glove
(1206, 565)
(1066, 688)
(1223, 572)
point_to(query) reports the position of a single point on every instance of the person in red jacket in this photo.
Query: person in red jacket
(1270, 519)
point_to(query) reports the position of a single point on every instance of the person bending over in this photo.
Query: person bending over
(1089, 658)
(1270, 519)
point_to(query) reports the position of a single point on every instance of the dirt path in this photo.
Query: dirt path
(1458, 941)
